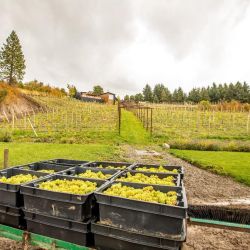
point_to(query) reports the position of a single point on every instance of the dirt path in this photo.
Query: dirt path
(201, 237)
(7, 244)
(202, 186)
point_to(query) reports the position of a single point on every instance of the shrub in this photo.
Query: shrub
(210, 145)
(3, 94)
(5, 137)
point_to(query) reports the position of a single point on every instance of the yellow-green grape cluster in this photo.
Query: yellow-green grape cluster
(152, 179)
(18, 179)
(94, 175)
(47, 171)
(69, 186)
(159, 169)
(148, 194)
(112, 167)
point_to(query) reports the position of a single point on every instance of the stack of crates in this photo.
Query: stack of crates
(11, 200)
(96, 219)
(136, 224)
(61, 215)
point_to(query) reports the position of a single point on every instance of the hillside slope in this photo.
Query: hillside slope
(13, 101)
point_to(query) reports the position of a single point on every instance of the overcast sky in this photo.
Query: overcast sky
(124, 44)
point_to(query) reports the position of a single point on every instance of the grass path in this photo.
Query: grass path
(132, 130)
(20, 153)
(234, 164)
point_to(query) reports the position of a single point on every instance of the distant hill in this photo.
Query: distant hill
(13, 101)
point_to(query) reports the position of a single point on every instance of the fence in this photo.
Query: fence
(143, 113)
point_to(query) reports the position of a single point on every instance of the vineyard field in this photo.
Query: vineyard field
(64, 118)
(182, 122)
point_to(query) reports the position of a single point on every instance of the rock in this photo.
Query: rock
(166, 146)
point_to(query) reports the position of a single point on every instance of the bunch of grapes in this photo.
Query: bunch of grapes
(47, 171)
(159, 169)
(112, 167)
(148, 194)
(152, 179)
(69, 186)
(18, 179)
(94, 175)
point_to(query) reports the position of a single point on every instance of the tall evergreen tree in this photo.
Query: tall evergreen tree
(126, 98)
(179, 96)
(12, 63)
(147, 93)
(194, 95)
(162, 93)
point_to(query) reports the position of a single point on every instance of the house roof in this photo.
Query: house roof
(108, 93)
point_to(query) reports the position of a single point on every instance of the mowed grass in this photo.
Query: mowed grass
(234, 164)
(21, 153)
(132, 131)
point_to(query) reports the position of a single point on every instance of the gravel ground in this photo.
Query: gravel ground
(202, 237)
(7, 244)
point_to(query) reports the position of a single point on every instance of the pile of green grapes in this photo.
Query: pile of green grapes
(94, 175)
(152, 179)
(159, 169)
(47, 171)
(69, 186)
(148, 194)
(18, 179)
(112, 167)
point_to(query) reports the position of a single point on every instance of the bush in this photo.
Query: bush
(5, 137)
(3, 94)
(210, 145)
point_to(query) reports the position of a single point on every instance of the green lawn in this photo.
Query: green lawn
(234, 164)
(20, 153)
(132, 131)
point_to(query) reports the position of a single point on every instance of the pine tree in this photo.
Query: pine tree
(179, 96)
(12, 63)
(147, 94)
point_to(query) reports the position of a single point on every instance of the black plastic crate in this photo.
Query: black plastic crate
(113, 238)
(140, 215)
(167, 167)
(81, 169)
(59, 204)
(105, 164)
(12, 216)
(10, 193)
(66, 162)
(177, 180)
(66, 230)
(37, 166)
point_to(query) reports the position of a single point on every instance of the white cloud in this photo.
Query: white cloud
(124, 44)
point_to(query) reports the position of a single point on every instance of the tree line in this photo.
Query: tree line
(216, 93)
(12, 70)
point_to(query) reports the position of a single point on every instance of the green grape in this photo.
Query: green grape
(152, 179)
(148, 194)
(18, 179)
(69, 186)
(48, 171)
(94, 175)
(159, 169)
(112, 167)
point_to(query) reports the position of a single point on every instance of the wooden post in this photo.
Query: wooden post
(119, 118)
(32, 127)
(6, 116)
(248, 119)
(147, 119)
(6, 158)
(13, 120)
(151, 123)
